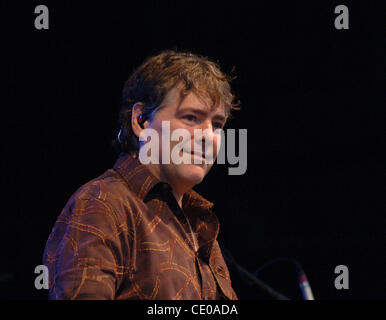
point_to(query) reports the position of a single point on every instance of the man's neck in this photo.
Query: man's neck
(177, 190)
(178, 197)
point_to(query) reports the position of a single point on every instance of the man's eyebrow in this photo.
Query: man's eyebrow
(220, 117)
(202, 112)
(194, 109)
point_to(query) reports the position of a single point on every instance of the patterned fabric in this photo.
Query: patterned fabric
(123, 236)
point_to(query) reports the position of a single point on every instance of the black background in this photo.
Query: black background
(312, 101)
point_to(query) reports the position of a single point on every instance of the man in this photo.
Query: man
(139, 231)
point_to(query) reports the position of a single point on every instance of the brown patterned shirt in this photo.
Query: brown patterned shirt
(124, 236)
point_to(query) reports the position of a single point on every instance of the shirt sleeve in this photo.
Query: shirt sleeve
(85, 252)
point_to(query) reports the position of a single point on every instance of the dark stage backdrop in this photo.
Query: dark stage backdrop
(312, 102)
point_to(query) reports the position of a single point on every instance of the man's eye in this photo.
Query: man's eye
(217, 125)
(190, 117)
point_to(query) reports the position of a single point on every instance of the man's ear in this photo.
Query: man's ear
(135, 113)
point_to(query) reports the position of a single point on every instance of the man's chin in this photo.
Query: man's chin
(193, 174)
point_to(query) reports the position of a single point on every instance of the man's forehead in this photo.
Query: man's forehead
(201, 103)
(193, 101)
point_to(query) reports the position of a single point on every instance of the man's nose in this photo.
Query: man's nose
(208, 126)
(207, 135)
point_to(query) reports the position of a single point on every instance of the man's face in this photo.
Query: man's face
(187, 113)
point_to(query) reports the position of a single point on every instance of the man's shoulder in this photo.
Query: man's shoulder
(107, 191)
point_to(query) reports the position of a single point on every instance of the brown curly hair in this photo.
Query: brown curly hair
(153, 80)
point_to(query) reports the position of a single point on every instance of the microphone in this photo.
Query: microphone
(305, 287)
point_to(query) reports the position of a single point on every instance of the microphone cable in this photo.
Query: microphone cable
(302, 278)
(251, 277)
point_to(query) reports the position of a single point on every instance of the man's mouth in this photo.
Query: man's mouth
(199, 154)
(205, 157)
(202, 157)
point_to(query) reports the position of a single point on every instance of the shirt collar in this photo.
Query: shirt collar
(141, 181)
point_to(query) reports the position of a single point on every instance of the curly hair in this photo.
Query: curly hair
(153, 80)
